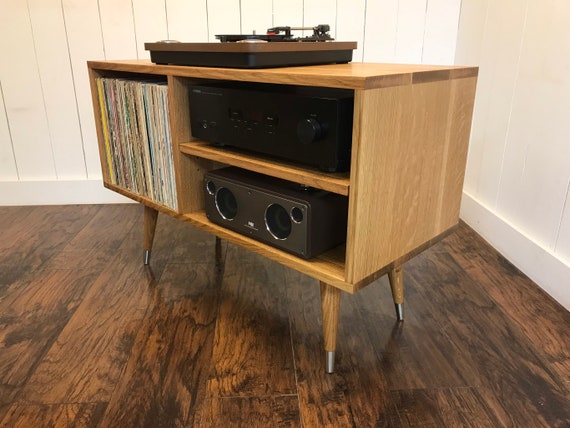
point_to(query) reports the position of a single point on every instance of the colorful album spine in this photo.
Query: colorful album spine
(104, 122)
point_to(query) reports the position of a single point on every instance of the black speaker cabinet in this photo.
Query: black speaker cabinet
(301, 220)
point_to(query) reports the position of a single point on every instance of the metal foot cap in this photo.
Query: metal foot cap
(330, 361)
(399, 312)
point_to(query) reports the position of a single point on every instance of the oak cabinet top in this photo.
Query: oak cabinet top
(353, 75)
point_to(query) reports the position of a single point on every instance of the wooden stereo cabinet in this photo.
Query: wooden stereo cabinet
(410, 136)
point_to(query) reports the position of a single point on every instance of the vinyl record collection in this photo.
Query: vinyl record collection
(136, 131)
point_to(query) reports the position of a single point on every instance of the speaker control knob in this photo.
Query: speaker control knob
(309, 130)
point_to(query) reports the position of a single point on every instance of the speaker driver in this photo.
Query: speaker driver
(278, 221)
(226, 203)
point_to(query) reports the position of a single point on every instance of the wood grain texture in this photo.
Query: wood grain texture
(460, 407)
(332, 182)
(164, 380)
(98, 337)
(33, 243)
(396, 278)
(53, 415)
(410, 135)
(252, 331)
(189, 171)
(485, 340)
(42, 295)
(330, 306)
(162, 346)
(276, 411)
(400, 157)
(149, 227)
(351, 75)
(357, 393)
(517, 295)
(328, 267)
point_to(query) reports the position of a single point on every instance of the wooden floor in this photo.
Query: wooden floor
(221, 337)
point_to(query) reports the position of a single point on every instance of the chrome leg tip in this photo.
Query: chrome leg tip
(330, 361)
(146, 257)
(399, 311)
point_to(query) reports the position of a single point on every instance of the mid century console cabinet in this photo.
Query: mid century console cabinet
(411, 128)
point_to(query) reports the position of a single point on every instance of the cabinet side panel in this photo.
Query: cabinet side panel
(402, 187)
(461, 113)
(190, 170)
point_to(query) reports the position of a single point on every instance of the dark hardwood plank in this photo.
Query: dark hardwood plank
(32, 318)
(501, 357)
(19, 222)
(252, 345)
(542, 320)
(38, 237)
(444, 407)
(86, 361)
(7, 394)
(182, 242)
(90, 337)
(34, 312)
(357, 393)
(107, 230)
(164, 382)
(274, 411)
(55, 415)
(415, 354)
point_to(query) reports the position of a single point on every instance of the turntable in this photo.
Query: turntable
(277, 48)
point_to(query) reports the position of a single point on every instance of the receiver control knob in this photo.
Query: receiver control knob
(309, 130)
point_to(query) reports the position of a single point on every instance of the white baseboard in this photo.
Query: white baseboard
(541, 265)
(58, 192)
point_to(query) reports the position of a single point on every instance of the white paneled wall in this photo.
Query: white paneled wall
(46, 125)
(518, 173)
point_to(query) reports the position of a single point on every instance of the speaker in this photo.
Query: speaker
(295, 218)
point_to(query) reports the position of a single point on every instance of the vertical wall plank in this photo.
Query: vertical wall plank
(288, 12)
(410, 33)
(469, 50)
(256, 15)
(8, 171)
(118, 28)
(536, 161)
(187, 21)
(472, 22)
(381, 30)
(350, 24)
(23, 97)
(501, 43)
(226, 22)
(85, 43)
(54, 66)
(150, 23)
(440, 35)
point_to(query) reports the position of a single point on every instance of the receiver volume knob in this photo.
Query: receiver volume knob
(309, 130)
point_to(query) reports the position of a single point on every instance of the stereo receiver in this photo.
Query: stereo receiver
(301, 220)
(309, 125)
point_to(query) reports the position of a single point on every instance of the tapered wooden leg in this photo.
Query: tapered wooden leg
(150, 217)
(330, 305)
(396, 278)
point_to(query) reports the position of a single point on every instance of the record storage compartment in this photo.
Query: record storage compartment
(410, 136)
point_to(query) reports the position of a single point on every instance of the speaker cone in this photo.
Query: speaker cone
(226, 203)
(278, 221)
